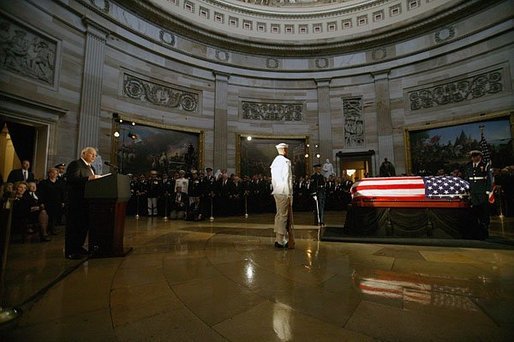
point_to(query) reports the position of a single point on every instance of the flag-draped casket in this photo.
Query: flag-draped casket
(433, 206)
(411, 192)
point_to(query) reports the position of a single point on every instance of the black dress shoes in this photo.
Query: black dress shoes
(278, 245)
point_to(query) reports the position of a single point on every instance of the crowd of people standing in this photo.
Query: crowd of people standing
(197, 194)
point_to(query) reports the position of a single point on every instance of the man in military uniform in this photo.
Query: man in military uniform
(318, 189)
(208, 188)
(476, 172)
(153, 192)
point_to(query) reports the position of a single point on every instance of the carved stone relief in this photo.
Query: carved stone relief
(446, 33)
(353, 122)
(465, 89)
(158, 94)
(322, 63)
(272, 63)
(272, 111)
(167, 38)
(379, 54)
(26, 52)
(102, 5)
(222, 55)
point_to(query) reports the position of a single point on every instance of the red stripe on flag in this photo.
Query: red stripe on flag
(491, 195)
(390, 187)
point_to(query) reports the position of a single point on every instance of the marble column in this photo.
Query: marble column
(91, 92)
(324, 120)
(220, 121)
(384, 120)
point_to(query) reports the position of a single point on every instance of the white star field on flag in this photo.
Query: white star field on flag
(445, 186)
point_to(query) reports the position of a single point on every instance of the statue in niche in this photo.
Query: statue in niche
(328, 169)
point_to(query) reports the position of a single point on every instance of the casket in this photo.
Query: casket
(411, 192)
(434, 207)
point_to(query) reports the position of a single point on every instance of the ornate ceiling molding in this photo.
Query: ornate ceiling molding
(204, 32)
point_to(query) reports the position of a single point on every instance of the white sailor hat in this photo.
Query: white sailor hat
(475, 152)
(281, 146)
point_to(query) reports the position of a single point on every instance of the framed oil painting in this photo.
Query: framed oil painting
(255, 154)
(141, 147)
(447, 146)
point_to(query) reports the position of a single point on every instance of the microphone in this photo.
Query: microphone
(111, 165)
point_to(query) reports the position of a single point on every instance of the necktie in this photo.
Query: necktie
(25, 175)
(91, 170)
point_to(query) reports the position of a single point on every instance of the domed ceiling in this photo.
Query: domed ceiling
(301, 27)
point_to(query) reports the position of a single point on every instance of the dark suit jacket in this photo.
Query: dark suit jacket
(181, 204)
(51, 195)
(17, 176)
(77, 175)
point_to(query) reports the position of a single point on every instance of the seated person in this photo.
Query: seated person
(194, 213)
(179, 202)
(20, 210)
(6, 193)
(38, 217)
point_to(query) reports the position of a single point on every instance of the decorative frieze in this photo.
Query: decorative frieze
(158, 94)
(26, 52)
(353, 122)
(465, 89)
(272, 111)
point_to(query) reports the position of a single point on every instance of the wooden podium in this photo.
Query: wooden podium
(107, 198)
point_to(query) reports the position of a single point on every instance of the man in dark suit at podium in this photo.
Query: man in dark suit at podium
(78, 173)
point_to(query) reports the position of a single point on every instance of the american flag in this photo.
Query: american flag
(410, 188)
(486, 157)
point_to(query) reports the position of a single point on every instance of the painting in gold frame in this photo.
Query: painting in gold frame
(145, 145)
(446, 145)
(255, 154)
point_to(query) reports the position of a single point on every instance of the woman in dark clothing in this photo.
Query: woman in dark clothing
(51, 194)
(20, 210)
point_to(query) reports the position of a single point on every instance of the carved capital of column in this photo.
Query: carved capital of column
(323, 82)
(94, 29)
(383, 75)
(221, 76)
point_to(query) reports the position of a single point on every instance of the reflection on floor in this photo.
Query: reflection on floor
(224, 281)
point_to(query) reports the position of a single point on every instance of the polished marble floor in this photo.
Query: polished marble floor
(224, 281)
